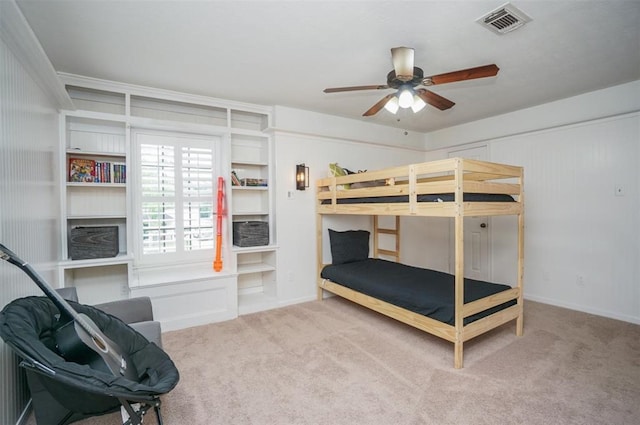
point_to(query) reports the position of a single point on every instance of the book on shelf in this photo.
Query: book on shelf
(235, 181)
(90, 171)
(82, 170)
(103, 172)
(119, 174)
(253, 182)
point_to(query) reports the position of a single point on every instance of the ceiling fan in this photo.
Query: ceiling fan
(405, 78)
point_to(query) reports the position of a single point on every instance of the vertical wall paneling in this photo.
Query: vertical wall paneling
(582, 246)
(29, 204)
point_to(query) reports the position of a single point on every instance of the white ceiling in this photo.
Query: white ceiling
(286, 52)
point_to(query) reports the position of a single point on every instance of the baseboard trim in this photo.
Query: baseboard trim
(297, 300)
(581, 308)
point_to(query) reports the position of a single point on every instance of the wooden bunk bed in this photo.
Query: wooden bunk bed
(455, 188)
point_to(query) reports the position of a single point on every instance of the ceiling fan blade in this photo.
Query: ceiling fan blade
(464, 74)
(354, 88)
(403, 58)
(378, 106)
(434, 99)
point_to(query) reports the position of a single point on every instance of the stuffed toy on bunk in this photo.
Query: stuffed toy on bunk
(337, 171)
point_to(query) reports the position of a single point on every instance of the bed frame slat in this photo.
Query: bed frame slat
(486, 303)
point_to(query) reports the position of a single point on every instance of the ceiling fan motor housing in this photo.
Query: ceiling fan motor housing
(394, 82)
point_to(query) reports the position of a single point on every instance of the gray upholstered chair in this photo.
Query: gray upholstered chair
(136, 312)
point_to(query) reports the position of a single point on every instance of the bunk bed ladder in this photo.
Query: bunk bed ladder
(395, 232)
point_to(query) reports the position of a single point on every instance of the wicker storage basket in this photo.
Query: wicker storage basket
(250, 233)
(93, 242)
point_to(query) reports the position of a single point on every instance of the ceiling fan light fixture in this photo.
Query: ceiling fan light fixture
(405, 98)
(418, 104)
(392, 105)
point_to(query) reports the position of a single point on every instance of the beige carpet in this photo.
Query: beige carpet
(333, 362)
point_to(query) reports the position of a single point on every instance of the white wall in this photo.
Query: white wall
(582, 246)
(582, 242)
(598, 104)
(29, 208)
(313, 124)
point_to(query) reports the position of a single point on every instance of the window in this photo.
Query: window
(175, 196)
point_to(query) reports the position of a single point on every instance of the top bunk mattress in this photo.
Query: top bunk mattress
(437, 197)
(423, 291)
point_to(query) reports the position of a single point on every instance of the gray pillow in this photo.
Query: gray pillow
(348, 246)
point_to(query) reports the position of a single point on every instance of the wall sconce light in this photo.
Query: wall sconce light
(302, 177)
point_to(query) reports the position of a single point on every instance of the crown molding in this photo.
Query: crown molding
(23, 43)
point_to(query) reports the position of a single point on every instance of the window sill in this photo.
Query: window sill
(176, 274)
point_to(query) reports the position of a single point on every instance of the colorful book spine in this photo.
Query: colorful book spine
(119, 172)
(102, 172)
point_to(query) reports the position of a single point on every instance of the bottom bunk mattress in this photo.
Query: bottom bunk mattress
(427, 292)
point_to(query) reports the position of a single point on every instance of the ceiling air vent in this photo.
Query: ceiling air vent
(504, 19)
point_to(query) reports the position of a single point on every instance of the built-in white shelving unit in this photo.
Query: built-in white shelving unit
(94, 143)
(99, 132)
(252, 200)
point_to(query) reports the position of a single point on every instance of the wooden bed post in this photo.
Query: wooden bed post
(376, 234)
(520, 319)
(319, 290)
(398, 238)
(459, 290)
(459, 266)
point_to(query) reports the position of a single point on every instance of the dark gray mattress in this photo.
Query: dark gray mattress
(437, 197)
(423, 291)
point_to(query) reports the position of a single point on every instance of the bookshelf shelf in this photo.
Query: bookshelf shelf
(97, 217)
(266, 188)
(95, 185)
(97, 262)
(240, 162)
(254, 268)
(71, 152)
